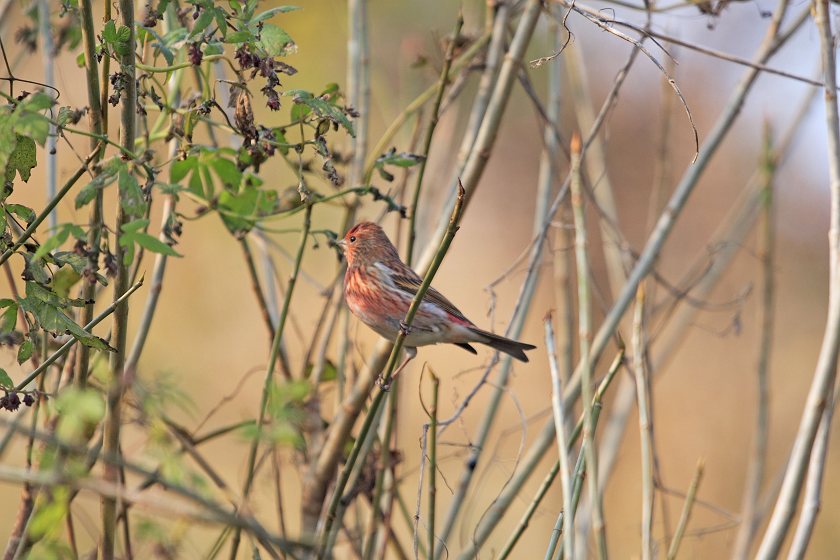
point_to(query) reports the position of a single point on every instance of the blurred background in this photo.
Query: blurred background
(208, 335)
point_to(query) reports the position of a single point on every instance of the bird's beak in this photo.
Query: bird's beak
(341, 243)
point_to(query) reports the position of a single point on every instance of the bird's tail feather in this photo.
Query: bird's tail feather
(512, 347)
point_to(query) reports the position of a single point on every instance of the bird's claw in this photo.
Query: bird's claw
(382, 384)
(404, 328)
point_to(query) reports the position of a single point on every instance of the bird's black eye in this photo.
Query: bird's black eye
(352, 239)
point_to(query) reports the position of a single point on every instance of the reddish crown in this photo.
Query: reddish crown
(366, 243)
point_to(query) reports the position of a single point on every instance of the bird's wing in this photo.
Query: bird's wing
(410, 285)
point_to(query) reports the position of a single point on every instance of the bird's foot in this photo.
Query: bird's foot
(382, 384)
(404, 328)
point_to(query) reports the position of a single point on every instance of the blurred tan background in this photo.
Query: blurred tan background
(208, 332)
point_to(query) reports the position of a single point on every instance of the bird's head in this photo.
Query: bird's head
(366, 243)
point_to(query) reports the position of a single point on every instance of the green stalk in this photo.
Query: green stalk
(433, 463)
(645, 424)
(564, 519)
(379, 488)
(96, 126)
(686, 512)
(750, 515)
(560, 423)
(272, 361)
(263, 305)
(106, 71)
(584, 336)
(120, 326)
(577, 488)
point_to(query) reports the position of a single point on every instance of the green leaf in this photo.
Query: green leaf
(8, 318)
(22, 159)
(80, 59)
(209, 188)
(299, 112)
(123, 34)
(45, 306)
(5, 381)
(131, 197)
(195, 185)
(273, 12)
(213, 47)
(25, 351)
(162, 45)
(329, 373)
(135, 225)
(321, 108)
(49, 514)
(25, 213)
(153, 244)
(38, 101)
(33, 125)
(35, 269)
(170, 188)
(275, 42)
(54, 242)
(179, 169)
(241, 211)
(74, 260)
(203, 21)
(133, 234)
(8, 138)
(78, 411)
(404, 159)
(86, 195)
(280, 138)
(227, 172)
(64, 279)
(62, 234)
(239, 37)
(107, 175)
(221, 23)
(109, 32)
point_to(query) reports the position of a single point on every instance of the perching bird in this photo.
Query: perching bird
(379, 288)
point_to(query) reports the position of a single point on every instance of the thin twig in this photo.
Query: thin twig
(562, 441)
(825, 371)
(645, 426)
(686, 512)
(432, 462)
(755, 471)
(427, 142)
(812, 501)
(168, 211)
(48, 56)
(584, 334)
(485, 138)
(418, 102)
(598, 20)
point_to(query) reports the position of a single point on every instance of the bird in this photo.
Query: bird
(379, 288)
